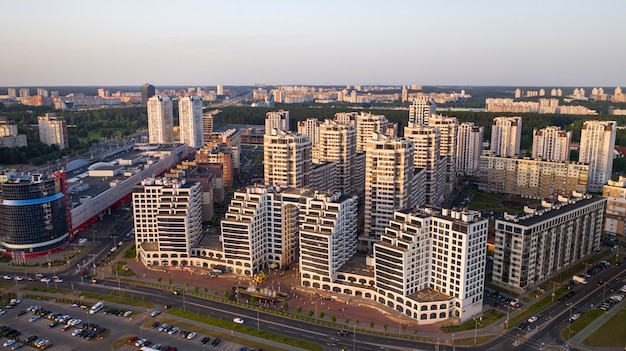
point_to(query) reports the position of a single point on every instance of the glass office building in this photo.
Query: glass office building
(33, 214)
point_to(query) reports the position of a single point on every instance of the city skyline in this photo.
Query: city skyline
(481, 43)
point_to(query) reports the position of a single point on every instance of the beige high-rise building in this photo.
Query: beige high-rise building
(551, 143)
(615, 216)
(506, 135)
(347, 118)
(389, 182)
(427, 155)
(53, 130)
(468, 148)
(311, 128)
(597, 141)
(422, 108)
(366, 125)
(191, 121)
(448, 128)
(287, 159)
(533, 178)
(337, 143)
(208, 122)
(160, 120)
(276, 120)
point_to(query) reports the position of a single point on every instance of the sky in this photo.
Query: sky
(339, 42)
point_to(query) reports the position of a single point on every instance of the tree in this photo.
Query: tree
(160, 280)
(333, 319)
(321, 315)
(372, 325)
(299, 310)
(385, 326)
(196, 289)
(171, 281)
(253, 300)
(206, 290)
(285, 307)
(186, 286)
(311, 313)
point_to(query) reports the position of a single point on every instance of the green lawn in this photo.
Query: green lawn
(488, 318)
(611, 333)
(470, 341)
(581, 323)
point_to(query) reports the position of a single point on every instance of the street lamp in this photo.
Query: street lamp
(476, 328)
(258, 323)
(354, 339)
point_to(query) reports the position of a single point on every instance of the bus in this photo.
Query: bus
(96, 308)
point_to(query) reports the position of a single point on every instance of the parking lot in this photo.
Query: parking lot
(117, 327)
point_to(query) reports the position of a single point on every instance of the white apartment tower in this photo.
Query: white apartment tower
(346, 118)
(265, 226)
(160, 120)
(366, 125)
(276, 120)
(422, 108)
(433, 257)
(427, 148)
(191, 121)
(337, 143)
(448, 128)
(311, 128)
(468, 148)
(551, 143)
(389, 182)
(597, 141)
(287, 159)
(506, 134)
(168, 218)
(53, 130)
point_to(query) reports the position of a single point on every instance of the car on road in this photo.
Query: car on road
(140, 342)
(155, 325)
(342, 333)
(19, 278)
(532, 319)
(155, 313)
(574, 317)
(45, 280)
(8, 343)
(58, 280)
(132, 339)
(238, 320)
(216, 342)
(34, 318)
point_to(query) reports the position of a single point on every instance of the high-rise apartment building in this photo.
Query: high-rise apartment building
(430, 263)
(147, 91)
(468, 148)
(276, 120)
(448, 128)
(506, 135)
(219, 89)
(366, 125)
(311, 128)
(389, 182)
(427, 148)
(422, 108)
(168, 220)
(208, 122)
(347, 118)
(551, 143)
(541, 242)
(12, 92)
(337, 143)
(287, 159)
(160, 120)
(615, 216)
(534, 178)
(191, 121)
(597, 141)
(268, 227)
(53, 130)
(24, 92)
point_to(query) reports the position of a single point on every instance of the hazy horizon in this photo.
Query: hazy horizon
(241, 43)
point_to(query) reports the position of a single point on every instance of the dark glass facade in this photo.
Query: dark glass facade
(33, 214)
(147, 91)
